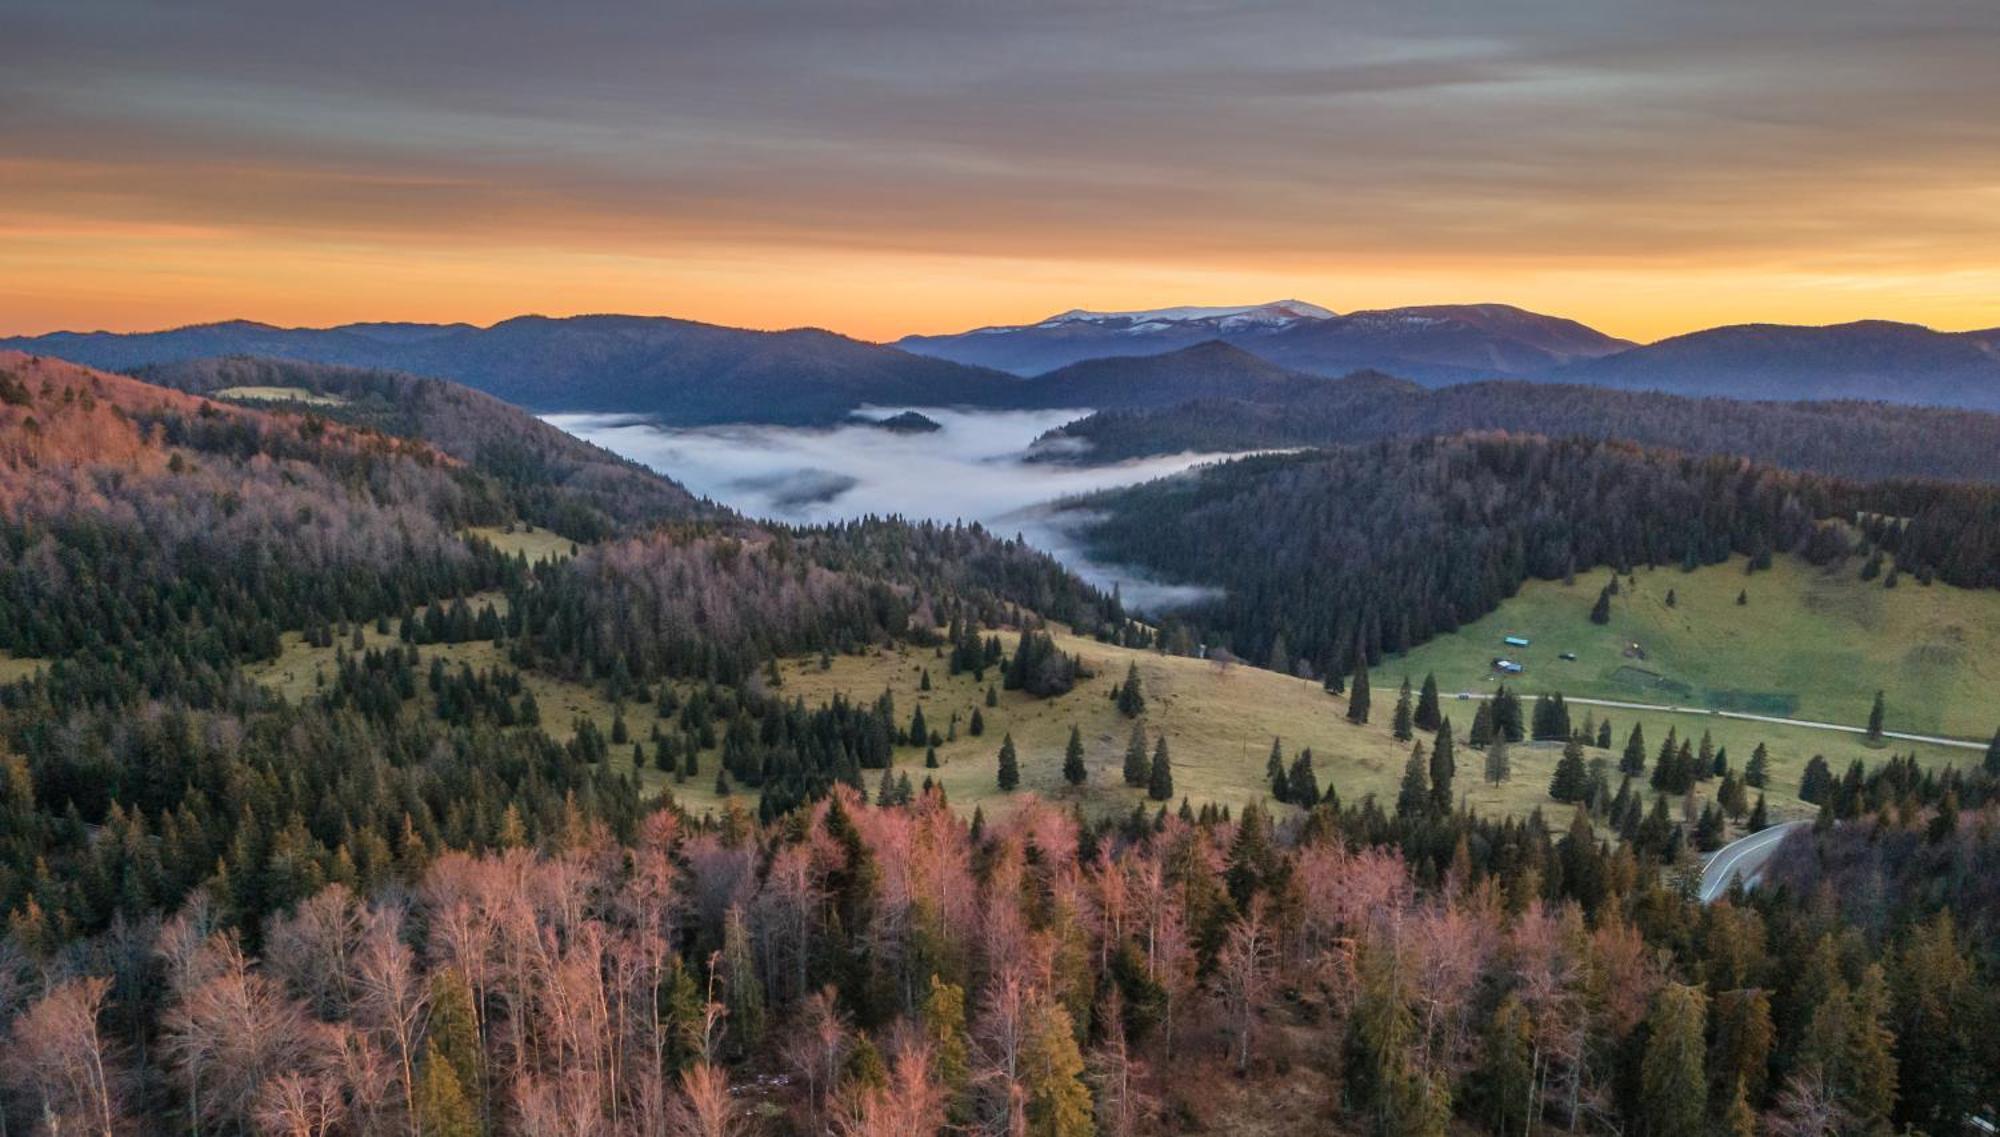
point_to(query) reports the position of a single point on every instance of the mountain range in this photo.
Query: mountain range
(1435, 344)
(688, 373)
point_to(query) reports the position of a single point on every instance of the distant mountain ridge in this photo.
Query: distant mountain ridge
(679, 371)
(1436, 343)
(1080, 334)
(1866, 359)
(688, 373)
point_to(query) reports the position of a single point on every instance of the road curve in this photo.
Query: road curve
(1742, 858)
(1933, 739)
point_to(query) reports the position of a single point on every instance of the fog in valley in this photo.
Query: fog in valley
(972, 469)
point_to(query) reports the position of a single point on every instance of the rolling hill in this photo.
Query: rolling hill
(1436, 344)
(1852, 439)
(1868, 359)
(1077, 335)
(678, 371)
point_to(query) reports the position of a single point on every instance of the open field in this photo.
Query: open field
(1807, 644)
(280, 395)
(13, 670)
(535, 544)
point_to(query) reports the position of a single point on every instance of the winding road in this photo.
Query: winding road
(1743, 858)
(1933, 739)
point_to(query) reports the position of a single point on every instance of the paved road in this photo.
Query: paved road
(1935, 740)
(1744, 858)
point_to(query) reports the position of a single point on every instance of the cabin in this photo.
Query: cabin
(1516, 641)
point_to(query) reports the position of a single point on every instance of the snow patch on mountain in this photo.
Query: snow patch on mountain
(1275, 312)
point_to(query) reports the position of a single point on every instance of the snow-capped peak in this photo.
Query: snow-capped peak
(1157, 319)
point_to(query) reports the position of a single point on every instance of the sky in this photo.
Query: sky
(881, 167)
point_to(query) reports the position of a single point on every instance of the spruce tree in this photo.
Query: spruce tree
(1673, 1079)
(1131, 695)
(977, 726)
(1303, 785)
(1571, 781)
(1357, 694)
(1992, 763)
(1875, 720)
(1499, 764)
(1274, 773)
(1633, 762)
(1427, 714)
(1052, 1070)
(1758, 771)
(1160, 779)
(1604, 735)
(1600, 612)
(1405, 715)
(1010, 767)
(1136, 768)
(1444, 768)
(442, 1106)
(1073, 769)
(1482, 727)
(1413, 799)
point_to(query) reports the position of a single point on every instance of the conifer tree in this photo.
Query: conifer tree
(1600, 612)
(1444, 768)
(442, 1107)
(1633, 762)
(1274, 773)
(1357, 695)
(1759, 819)
(1059, 1104)
(1414, 797)
(1992, 764)
(1499, 764)
(1604, 735)
(1302, 784)
(1073, 768)
(977, 726)
(930, 758)
(1504, 1084)
(1482, 727)
(1010, 766)
(1427, 714)
(1571, 780)
(1131, 695)
(1137, 770)
(1875, 720)
(1160, 780)
(1673, 1081)
(1405, 715)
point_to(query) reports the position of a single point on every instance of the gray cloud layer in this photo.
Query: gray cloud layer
(1581, 126)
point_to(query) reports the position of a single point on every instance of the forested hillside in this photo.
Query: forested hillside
(1378, 547)
(550, 471)
(389, 895)
(1849, 439)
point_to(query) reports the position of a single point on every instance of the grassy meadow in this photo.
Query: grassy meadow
(1807, 644)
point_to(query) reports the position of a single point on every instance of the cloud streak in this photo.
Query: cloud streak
(1825, 153)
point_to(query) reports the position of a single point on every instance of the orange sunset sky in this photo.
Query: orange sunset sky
(882, 168)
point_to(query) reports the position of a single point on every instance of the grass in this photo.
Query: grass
(14, 669)
(1218, 723)
(300, 670)
(280, 395)
(535, 544)
(1808, 644)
